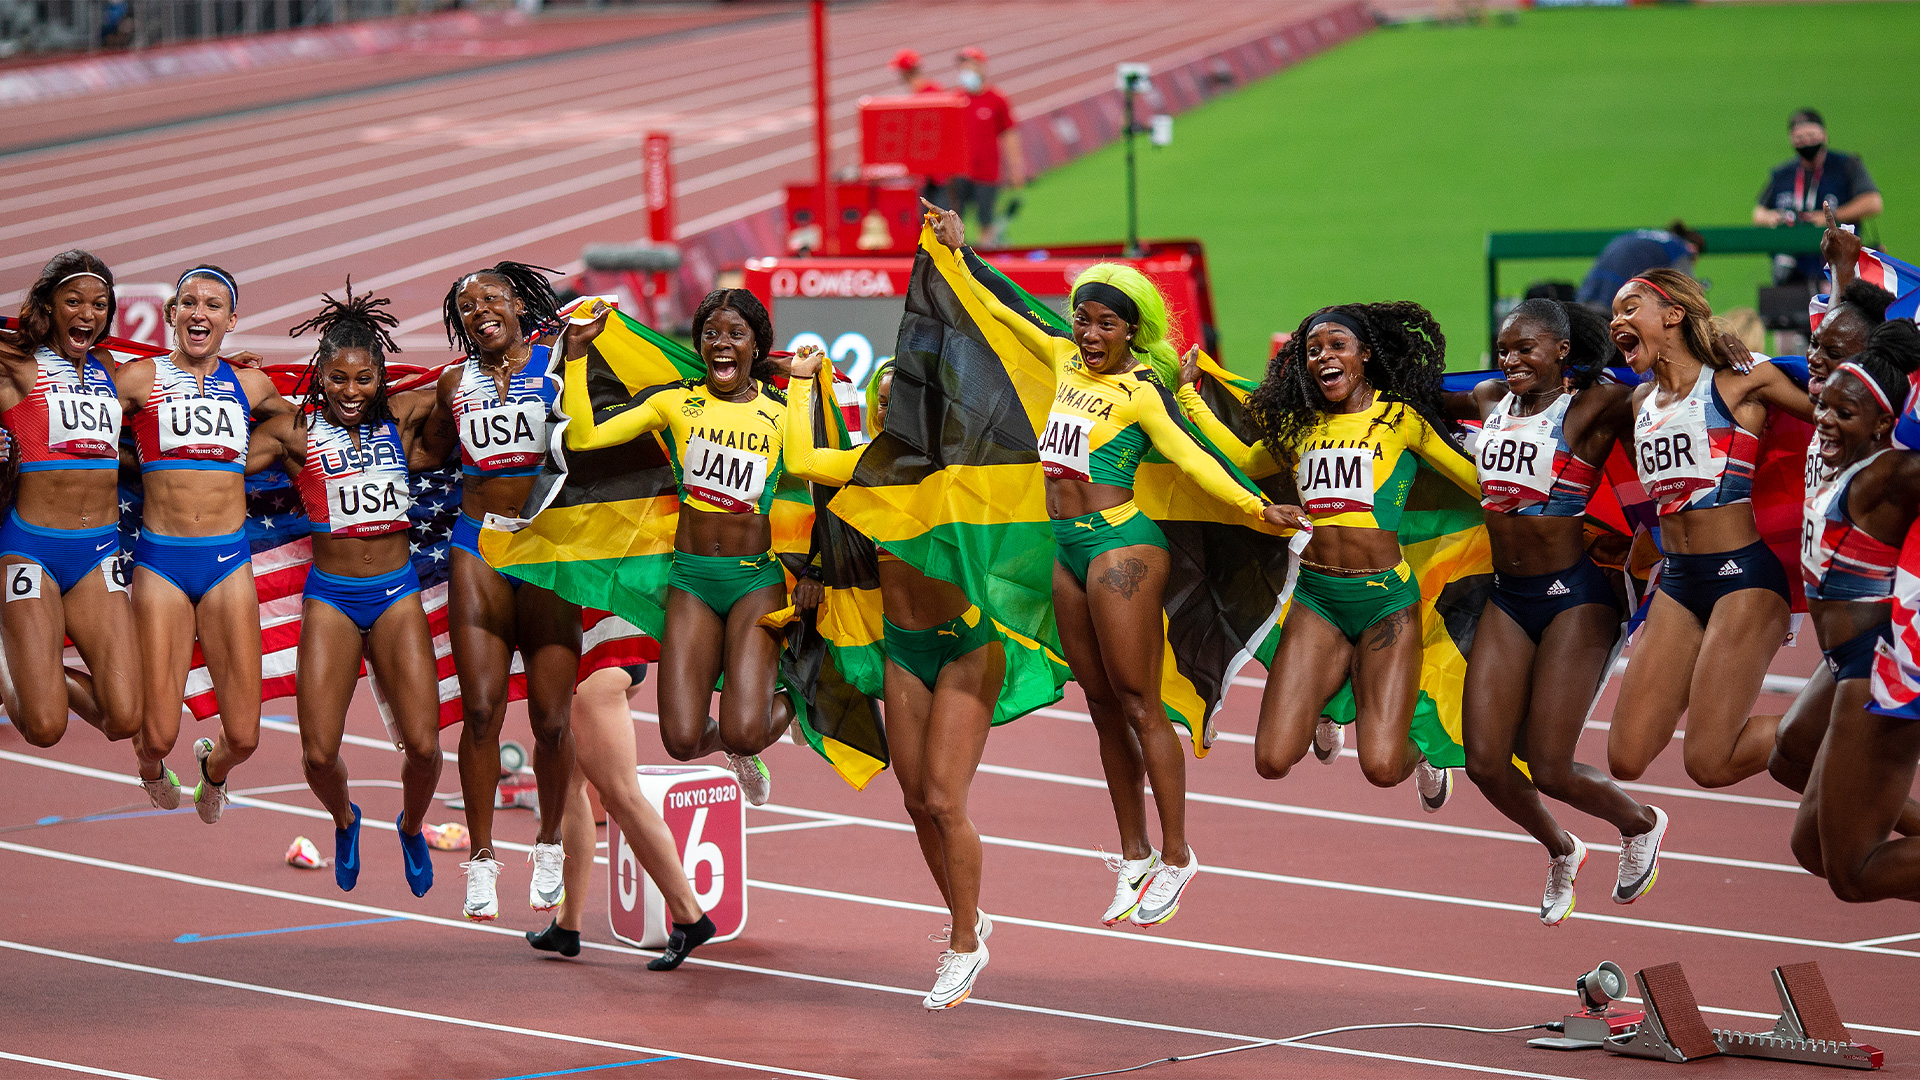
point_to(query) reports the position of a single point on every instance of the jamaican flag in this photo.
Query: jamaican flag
(1225, 578)
(602, 521)
(953, 485)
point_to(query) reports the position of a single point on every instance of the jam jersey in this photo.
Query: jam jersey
(505, 436)
(1352, 469)
(191, 424)
(71, 417)
(1838, 559)
(1527, 467)
(1691, 455)
(354, 491)
(726, 454)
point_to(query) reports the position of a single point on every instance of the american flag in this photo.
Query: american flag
(278, 534)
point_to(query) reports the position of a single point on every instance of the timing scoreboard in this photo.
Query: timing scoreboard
(851, 307)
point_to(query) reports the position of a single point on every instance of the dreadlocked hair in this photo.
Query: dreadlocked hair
(1891, 357)
(36, 311)
(354, 323)
(749, 308)
(1406, 357)
(1590, 345)
(528, 284)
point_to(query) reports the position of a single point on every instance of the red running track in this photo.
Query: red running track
(1324, 902)
(406, 188)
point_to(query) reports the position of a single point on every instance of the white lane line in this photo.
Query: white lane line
(68, 1066)
(820, 818)
(826, 817)
(408, 1014)
(1888, 940)
(896, 905)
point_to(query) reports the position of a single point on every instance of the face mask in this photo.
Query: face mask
(971, 81)
(1808, 153)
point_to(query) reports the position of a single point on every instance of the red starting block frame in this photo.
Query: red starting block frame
(703, 809)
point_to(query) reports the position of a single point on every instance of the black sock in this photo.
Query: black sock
(555, 939)
(686, 937)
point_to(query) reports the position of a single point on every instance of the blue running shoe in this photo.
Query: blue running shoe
(415, 857)
(346, 853)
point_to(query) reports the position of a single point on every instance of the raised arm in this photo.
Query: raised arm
(1178, 447)
(613, 425)
(1253, 460)
(426, 437)
(820, 464)
(951, 232)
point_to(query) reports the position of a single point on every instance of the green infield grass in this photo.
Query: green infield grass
(1375, 171)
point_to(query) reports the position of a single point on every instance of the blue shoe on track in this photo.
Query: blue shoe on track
(415, 857)
(346, 853)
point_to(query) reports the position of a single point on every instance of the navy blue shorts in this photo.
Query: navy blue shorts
(1853, 658)
(1699, 581)
(67, 555)
(362, 599)
(1534, 601)
(193, 564)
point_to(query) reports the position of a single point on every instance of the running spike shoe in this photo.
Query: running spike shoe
(163, 790)
(1436, 786)
(1557, 904)
(1329, 739)
(483, 901)
(1640, 860)
(756, 783)
(209, 798)
(1162, 897)
(1134, 875)
(954, 982)
(549, 886)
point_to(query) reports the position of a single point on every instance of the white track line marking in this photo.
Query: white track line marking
(69, 1066)
(897, 905)
(409, 1014)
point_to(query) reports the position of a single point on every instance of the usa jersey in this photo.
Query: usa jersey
(354, 491)
(188, 425)
(71, 417)
(505, 436)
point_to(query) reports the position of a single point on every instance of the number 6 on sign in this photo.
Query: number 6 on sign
(702, 808)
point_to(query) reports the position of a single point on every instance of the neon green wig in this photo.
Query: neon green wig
(1150, 337)
(880, 371)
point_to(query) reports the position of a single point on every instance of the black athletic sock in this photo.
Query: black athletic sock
(685, 938)
(555, 939)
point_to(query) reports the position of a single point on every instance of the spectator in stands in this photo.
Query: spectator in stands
(1631, 254)
(1799, 187)
(990, 139)
(906, 64)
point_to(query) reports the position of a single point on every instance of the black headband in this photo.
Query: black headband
(1339, 319)
(1102, 293)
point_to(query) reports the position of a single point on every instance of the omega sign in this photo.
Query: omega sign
(848, 282)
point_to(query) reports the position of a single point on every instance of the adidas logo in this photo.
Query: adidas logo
(1557, 589)
(1730, 569)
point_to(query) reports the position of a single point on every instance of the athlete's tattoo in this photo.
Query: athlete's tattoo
(1125, 578)
(1388, 630)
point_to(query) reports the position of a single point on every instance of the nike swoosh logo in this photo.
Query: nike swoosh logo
(224, 558)
(395, 589)
(105, 546)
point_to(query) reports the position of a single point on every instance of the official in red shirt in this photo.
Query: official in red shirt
(990, 139)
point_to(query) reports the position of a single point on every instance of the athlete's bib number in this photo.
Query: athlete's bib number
(1066, 450)
(1675, 458)
(87, 425)
(1516, 460)
(1336, 480)
(507, 436)
(731, 479)
(367, 504)
(210, 429)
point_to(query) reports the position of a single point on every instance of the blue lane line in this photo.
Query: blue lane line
(188, 939)
(589, 1068)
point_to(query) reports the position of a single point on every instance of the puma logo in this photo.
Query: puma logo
(1084, 525)
(1376, 585)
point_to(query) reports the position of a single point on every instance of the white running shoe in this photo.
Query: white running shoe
(483, 902)
(549, 887)
(209, 798)
(1436, 786)
(1135, 874)
(163, 790)
(1561, 870)
(1329, 739)
(1640, 861)
(756, 783)
(982, 926)
(955, 981)
(1162, 897)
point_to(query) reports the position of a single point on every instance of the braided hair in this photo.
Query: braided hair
(1406, 359)
(526, 282)
(753, 312)
(1590, 347)
(354, 323)
(36, 311)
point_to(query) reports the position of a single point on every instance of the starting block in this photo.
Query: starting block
(1809, 1028)
(1672, 1029)
(703, 809)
